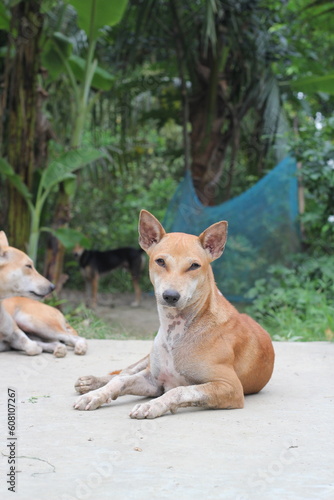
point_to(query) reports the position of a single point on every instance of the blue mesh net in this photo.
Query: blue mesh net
(263, 226)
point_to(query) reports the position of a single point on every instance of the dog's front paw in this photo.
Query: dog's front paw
(80, 347)
(60, 351)
(89, 401)
(153, 409)
(33, 349)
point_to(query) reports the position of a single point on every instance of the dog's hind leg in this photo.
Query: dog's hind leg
(51, 329)
(89, 382)
(56, 348)
(21, 342)
(13, 337)
(54, 335)
(136, 367)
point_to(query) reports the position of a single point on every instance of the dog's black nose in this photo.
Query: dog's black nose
(171, 297)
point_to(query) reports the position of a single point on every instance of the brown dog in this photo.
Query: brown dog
(19, 314)
(206, 353)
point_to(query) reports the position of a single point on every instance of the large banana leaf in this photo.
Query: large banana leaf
(102, 80)
(94, 14)
(55, 51)
(70, 237)
(58, 50)
(312, 84)
(63, 167)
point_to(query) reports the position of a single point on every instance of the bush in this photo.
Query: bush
(296, 303)
(315, 150)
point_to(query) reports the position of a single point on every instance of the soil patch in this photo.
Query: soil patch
(115, 310)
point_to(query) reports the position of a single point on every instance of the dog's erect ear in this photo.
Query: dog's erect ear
(3, 243)
(3, 239)
(214, 238)
(150, 230)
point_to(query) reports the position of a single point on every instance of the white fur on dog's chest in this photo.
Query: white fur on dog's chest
(163, 354)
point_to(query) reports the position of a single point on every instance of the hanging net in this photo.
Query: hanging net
(263, 226)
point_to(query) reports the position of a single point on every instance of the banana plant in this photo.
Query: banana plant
(59, 170)
(83, 74)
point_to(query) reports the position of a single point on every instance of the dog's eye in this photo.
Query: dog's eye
(161, 262)
(29, 266)
(194, 266)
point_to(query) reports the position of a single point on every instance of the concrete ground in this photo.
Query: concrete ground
(280, 446)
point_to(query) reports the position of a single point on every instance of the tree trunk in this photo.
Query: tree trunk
(54, 257)
(19, 104)
(208, 144)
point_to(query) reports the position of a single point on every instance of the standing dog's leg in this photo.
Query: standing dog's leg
(227, 392)
(88, 290)
(95, 287)
(135, 271)
(90, 277)
(137, 290)
(140, 384)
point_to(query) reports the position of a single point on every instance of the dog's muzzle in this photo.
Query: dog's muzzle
(171, 297)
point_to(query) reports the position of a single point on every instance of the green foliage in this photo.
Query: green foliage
(83, 320)
(69, 237)
(312, 84)
(314, 148)
(59, 170)
(95, 14)
(102, 79)
(7, 171)
(58, 58)
(296, 303)
(4, 18)
(142, 175)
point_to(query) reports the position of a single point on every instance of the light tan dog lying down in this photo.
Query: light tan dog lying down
(20, 314)
(206, 353)
(46, 326)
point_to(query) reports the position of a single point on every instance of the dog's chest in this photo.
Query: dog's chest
(165, 356)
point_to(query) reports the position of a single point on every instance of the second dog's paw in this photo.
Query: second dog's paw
(60, 351)
(81, 347)
(33, 349)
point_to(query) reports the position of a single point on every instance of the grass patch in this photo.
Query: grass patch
(90, 326)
